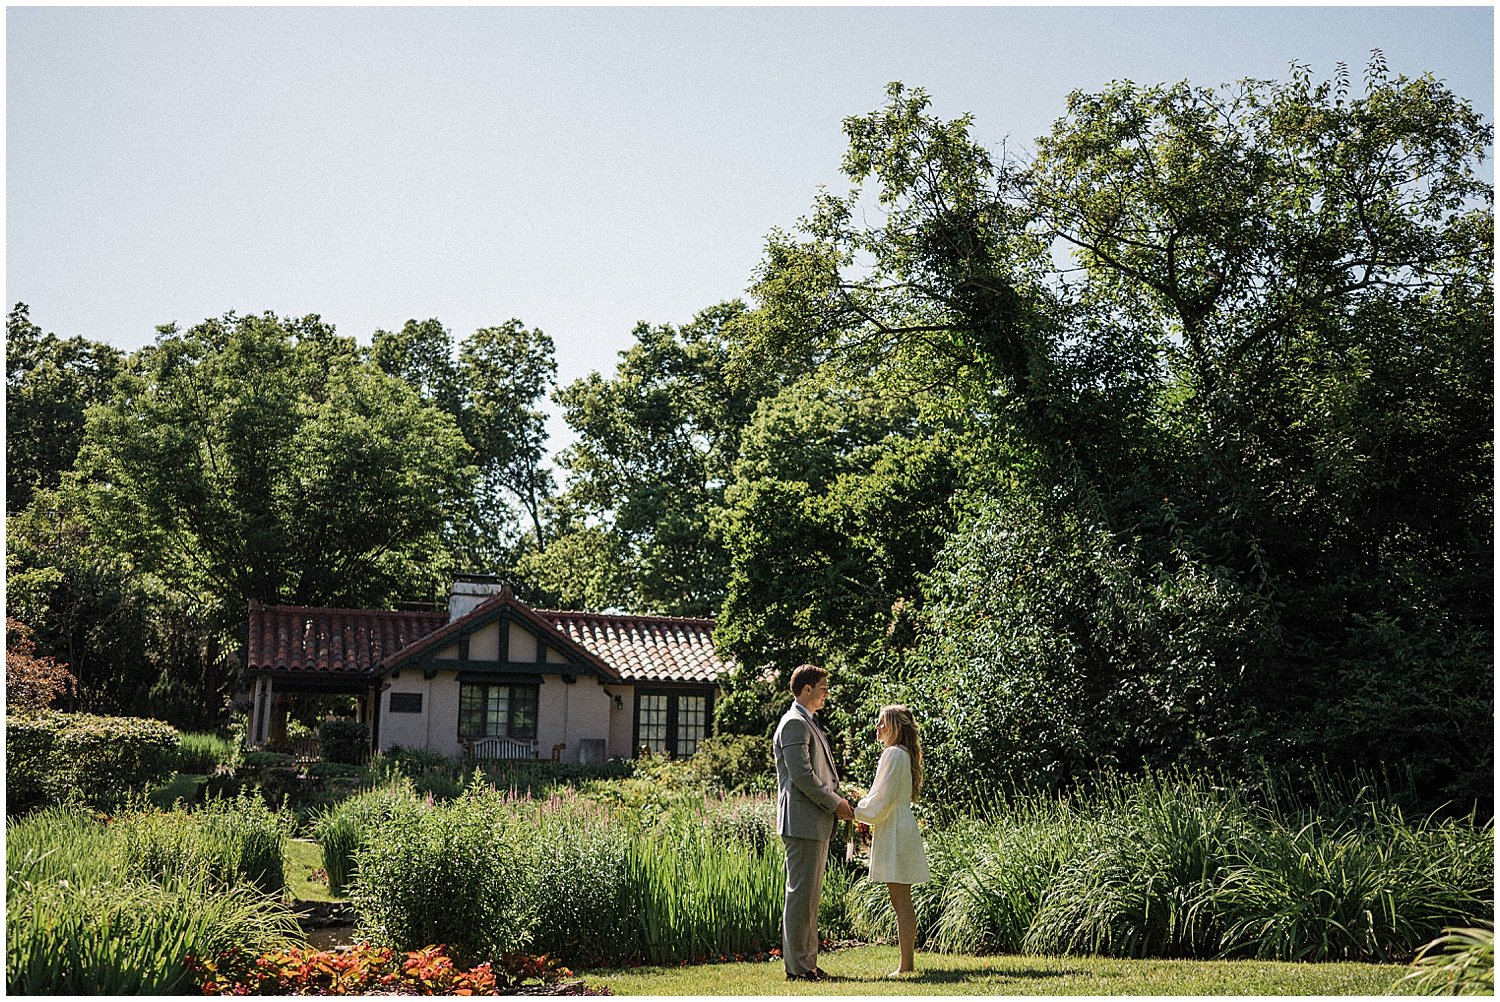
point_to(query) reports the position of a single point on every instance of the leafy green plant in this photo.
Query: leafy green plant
(445, 873)
(735, 763)
(344, 827)
(343, 741)
(1459, 962)
(227, 843)
(52, 756)
(80, 920)
(203, 752)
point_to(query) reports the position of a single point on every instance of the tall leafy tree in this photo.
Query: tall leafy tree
(49, 384)
(491, 389)
(656, 445)
(1191, 413)
(260, 458)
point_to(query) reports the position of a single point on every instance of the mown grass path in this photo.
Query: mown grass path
(862, 970)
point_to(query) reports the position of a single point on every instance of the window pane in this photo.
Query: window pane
(497, 711)
(523, 700)
(651, 717)
(692, 719)
(470, 712)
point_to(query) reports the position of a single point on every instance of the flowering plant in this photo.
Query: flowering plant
(364, 969)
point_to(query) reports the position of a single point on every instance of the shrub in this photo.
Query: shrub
(53, 756)
(336, 770)
(735, 763)
(343, 741)
(32, 681)
(447, 873)
(343, 828)
(750, 821)
(254, 760)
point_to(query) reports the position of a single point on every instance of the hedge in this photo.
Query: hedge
(53, 756)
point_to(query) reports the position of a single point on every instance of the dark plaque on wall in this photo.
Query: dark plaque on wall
(406, 702)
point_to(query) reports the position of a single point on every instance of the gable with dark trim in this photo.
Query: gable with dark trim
(481, 643)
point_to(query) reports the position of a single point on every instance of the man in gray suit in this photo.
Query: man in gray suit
(807, 801)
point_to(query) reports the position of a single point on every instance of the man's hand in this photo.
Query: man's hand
(843, 811)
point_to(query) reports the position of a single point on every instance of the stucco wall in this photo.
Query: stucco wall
(435, 728)
(622, 722)
(565, 713)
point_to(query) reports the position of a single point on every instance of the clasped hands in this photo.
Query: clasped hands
(843, 811)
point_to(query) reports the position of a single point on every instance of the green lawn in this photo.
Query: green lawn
(861, 971)
(303, 857)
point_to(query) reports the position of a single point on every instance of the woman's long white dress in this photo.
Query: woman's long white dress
(896, 852)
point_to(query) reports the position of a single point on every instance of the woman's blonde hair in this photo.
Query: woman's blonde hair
(900, 719)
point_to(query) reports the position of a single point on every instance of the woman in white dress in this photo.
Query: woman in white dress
(896, 853)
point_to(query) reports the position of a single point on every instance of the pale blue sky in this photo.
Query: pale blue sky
(581, 169)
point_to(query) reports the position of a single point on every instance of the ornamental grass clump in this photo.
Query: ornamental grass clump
(1459, 962)
(344, 827)
(202, 752)
(78, 921)
(228, 842)
(1142, 884)
(1373, 892)
(692, 896)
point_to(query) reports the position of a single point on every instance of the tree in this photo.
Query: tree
(260, 458)
(491, 391)
(32, 681)
(656, 444)
(49, 384)
(1262, 391)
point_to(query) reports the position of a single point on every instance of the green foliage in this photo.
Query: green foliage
(448, 873)
(200, 752)
(735, 763)
(259, 458)
(655, 446)
(344, 827)
(49, 384)
(343, 741)
(77, 923)
(52, 757)
(229, 843)
(1188, 867)
(1228, 489)
(1055, 649)
(1459, 962)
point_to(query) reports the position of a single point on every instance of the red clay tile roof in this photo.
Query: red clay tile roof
(309, 638)
(646, 648)
(642, 649)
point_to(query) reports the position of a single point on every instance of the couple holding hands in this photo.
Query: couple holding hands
(808, 802)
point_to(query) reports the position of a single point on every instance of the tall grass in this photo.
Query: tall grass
(203, 752)
(1460, 962)
(1180, 866)
(570, 876)
(80, 919)
(228, 842)
(343, 828)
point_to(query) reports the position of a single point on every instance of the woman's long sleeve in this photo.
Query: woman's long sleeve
(882, 796)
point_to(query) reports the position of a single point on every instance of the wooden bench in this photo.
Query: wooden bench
(500, 748)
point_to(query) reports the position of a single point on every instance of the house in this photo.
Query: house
(492, 676)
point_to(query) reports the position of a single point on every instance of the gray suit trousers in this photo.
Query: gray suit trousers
(806, 861)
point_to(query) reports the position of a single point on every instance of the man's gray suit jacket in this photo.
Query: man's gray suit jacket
(806, 780)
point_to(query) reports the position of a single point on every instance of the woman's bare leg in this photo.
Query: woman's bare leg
(906, 925)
